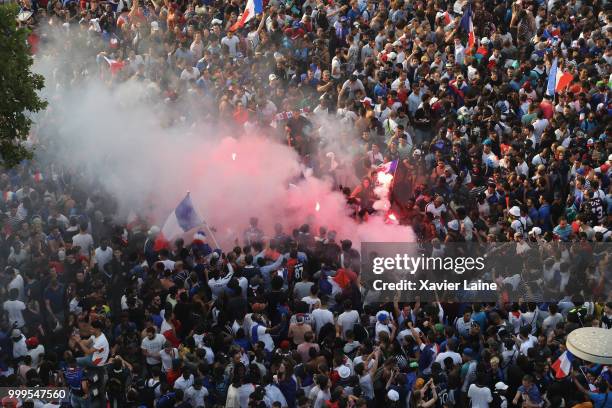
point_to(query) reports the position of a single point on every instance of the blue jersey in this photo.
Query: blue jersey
(74, 378)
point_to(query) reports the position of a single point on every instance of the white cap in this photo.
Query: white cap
(153, 231)
(16, 333)
(393, 395)
(515, 211)
(344, 372)
(454, 225)
(272, 77)
(216, 21)
(501, 386)
(417, 152)
(536, 231)
(391, 56)
(485, 41)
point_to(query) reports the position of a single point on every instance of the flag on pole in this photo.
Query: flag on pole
(552, 79)
(557, 80)
(389, 167)
(563, 366)
(115, 66)
(468, 26)
(252, 8)
(563, 81)
(182, 219)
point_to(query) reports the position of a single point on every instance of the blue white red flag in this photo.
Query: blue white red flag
(563, 366)
(252, 8)
(182, 219)
(388, 167)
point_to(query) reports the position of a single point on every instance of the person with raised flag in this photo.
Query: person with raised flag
(252, 8)
(467, 25)
(562, 367)
(181, 220)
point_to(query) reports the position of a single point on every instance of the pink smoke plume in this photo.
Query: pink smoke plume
(254, 177)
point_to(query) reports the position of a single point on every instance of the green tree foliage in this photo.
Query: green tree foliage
(18, 88)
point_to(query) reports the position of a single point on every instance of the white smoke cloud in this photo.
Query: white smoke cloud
(117, 135)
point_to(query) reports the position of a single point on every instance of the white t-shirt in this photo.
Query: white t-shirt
(100, 343)
(380, 327)
(347, 321)
(311, 301)
(153, 348)
(480, 396)
(435, 211)
(527, 344)
(454, 355)
(157, 390)
(264, 337)
(192, 74)
(14, 309)
(321, 317)
(196, 397)
(182, 384)
(83, 241)
(166, 358)
(35, 353)
(231, 44)
(103, 257)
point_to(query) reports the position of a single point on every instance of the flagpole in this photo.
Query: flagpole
(209, 231)
(212, 236)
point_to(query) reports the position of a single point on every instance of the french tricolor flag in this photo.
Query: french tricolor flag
(557, 80)
(563, 366)
(115, 66)
(468, 26)
(252, 8)
(182, 219)
(389, 167)
(8, 196)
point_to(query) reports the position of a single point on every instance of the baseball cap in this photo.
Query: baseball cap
(501, 386)
(382, 317)
(344, 372)
(535, 231)
(32, 342)
(515, 211)
(393, 395)
(454, 225)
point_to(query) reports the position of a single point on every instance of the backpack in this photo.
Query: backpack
(147, 394)
(166, 401)
(325, 286)
(497, 400)
(577, 314)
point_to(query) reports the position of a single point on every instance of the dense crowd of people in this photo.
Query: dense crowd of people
(490, 148)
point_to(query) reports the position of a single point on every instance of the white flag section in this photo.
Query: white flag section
(182, 219)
